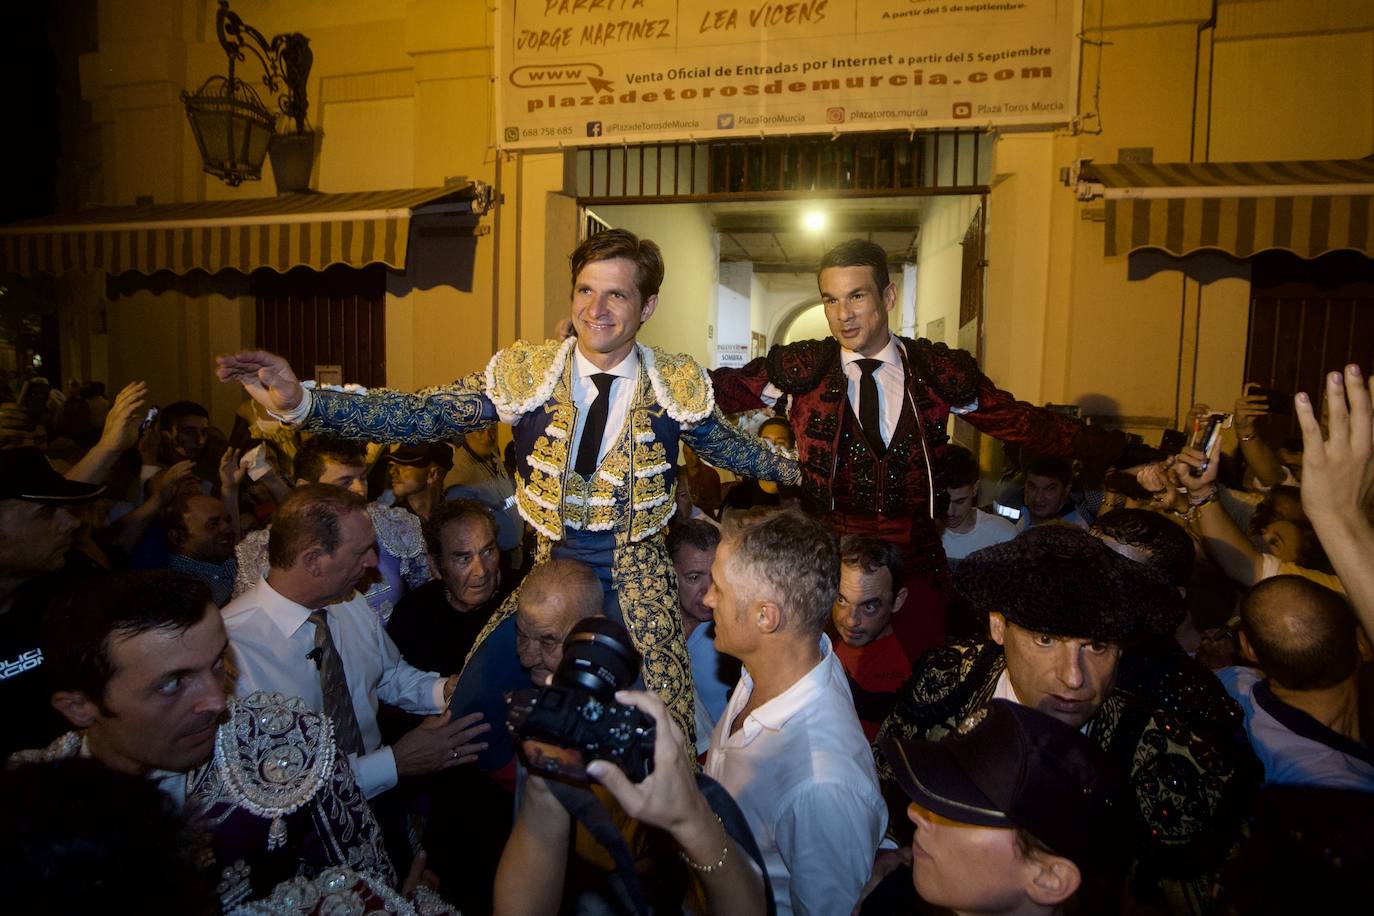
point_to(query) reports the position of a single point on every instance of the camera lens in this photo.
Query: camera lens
(598, 658)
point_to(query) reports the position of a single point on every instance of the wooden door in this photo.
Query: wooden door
(335, 317)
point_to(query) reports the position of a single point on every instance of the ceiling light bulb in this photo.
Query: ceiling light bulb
(814, 220)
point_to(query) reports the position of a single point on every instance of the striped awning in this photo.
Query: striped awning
(1241, 208)
(282, 232)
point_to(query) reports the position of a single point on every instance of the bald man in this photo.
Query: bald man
(1302, 707)
(553, 598)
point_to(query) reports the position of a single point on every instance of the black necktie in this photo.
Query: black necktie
(868, 405)
(338, 705)
(590, 446)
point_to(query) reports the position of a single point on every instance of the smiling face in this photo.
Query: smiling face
(856, 309)
(209, 535)
(1062, 676)
(607, 310)
(1045, 496)
(165, 699)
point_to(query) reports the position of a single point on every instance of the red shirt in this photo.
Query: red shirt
(876, 672)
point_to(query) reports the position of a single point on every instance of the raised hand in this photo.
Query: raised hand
(1249, 407)
(121, 423)
(1338, 471)
(266, 377)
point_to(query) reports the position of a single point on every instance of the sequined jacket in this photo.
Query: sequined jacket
(274, 802)
(528, 385)
(1171, 728)
(939, 380)
(402, 563)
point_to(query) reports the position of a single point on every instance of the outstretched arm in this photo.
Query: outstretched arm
(380, 416)
(1338, 484)
(720, 444)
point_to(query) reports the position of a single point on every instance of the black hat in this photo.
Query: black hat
(1012, 766)
(1061, 580)
(418, 456)
(26, 474)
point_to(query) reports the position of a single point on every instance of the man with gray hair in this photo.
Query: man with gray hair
(553, 598)
(789, 747)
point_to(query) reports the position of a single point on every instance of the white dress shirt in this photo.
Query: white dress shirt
(802, 772)
(271, 637)
(584, 392)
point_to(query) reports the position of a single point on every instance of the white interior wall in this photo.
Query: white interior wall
(940, 255)
(686, 316)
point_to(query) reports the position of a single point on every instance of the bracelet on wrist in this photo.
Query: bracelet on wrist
(1249, 437)
(724, 851)
(1211, 497)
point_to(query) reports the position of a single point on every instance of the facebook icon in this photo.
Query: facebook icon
(593, 128)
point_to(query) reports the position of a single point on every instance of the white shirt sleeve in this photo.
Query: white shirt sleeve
(1269, 567)
(297, 413)
(403, 684)
(375, 772)
(770, 394)
(826, 836)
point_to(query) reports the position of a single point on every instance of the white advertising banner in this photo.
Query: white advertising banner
(579, 72)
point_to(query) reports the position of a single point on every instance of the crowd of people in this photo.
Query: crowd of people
(269, 670)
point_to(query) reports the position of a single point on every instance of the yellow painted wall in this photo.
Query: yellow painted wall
(403, 92)
(939, 263)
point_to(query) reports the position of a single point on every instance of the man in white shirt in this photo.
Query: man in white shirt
(307, 610)
(968, 528)
(789, 747)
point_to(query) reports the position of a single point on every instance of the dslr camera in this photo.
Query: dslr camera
(562, 727)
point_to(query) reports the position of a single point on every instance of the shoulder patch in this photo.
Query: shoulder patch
(521, 377)
(798, 367)
(952, 373)
(680, 385)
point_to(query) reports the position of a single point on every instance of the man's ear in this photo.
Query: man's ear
(900, 599)
(435, 473)
(890, 297)
(997, 628)
(648, 307)
(768, 617)
(312, 559)
(76, 707)
(177, 536)
(1247, 651)
(1053, 880)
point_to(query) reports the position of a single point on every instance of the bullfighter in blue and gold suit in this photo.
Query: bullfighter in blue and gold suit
(606, 506)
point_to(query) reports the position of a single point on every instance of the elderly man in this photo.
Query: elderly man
(436, 624)
(789, 747)
(597, 419)
(1062, 608)
(139, 669)
(36, 531)
(553, 598)
(401, 563)
(870, 411)
(307, 611)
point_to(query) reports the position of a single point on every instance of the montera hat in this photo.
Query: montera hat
(1062, 581)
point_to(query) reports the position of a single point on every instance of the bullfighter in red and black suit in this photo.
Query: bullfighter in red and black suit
(870, 409)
